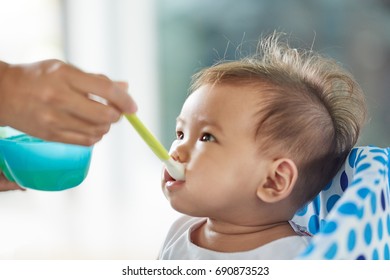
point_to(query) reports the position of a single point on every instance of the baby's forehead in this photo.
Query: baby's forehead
(226, 97)
(236, 97)
(242, 90)
(222, 104)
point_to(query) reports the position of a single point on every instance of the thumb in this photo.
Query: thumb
(123, 86)
(128, 104)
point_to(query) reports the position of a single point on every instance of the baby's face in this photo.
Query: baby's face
(216, 143)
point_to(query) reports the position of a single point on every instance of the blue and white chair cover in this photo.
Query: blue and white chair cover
(350, 218)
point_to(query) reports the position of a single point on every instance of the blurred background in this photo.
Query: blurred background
(119, 211)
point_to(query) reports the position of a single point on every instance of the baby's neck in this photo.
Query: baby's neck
(223, 237)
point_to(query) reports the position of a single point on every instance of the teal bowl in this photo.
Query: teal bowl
(41, 165)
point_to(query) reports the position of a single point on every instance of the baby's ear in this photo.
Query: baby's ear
(282, 176)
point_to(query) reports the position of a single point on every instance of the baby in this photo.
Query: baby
(259, 138)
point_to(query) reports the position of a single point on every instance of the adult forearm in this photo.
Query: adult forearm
(3, 69)
(3, 65)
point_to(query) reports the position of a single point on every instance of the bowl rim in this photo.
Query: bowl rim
(40, 142)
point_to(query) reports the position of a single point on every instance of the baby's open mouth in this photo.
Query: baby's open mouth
(167, 177)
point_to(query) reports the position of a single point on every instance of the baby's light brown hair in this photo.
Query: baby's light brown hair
(310, 108)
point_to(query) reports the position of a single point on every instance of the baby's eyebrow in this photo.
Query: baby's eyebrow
(202, 122)
(179, 119)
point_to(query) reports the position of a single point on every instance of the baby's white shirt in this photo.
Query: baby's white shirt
(178, 245)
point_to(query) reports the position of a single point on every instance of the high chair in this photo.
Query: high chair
(350, 218)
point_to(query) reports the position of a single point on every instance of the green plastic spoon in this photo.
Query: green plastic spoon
(174, 168)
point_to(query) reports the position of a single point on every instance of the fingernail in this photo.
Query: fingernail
(133, 105)
(130, 106)
(122, 85)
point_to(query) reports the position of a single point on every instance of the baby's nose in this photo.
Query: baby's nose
(179, 152)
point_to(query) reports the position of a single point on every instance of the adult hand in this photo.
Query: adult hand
(51, 100)
(6, 185)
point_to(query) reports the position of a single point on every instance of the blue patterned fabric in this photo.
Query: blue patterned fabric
(350, 218)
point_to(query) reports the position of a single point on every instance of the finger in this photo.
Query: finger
(72, 123)
(58, 123)
(92, 111)
(84, 121)
(82, 107)
(100, 85)
(6, 185)
(72, 137)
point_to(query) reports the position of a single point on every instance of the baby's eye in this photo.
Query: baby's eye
(179, 135)
(207, 137)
